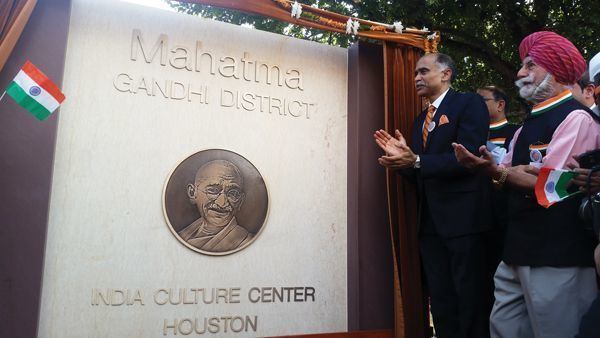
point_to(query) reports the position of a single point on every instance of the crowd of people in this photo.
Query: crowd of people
(496, 262)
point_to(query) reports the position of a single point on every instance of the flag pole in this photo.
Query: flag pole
(2, 96)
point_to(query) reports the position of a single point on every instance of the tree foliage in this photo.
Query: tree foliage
(482, 36)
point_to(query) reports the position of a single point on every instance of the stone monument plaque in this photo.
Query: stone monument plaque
(199, 183)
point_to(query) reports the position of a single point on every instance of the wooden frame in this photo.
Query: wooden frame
(14, 14)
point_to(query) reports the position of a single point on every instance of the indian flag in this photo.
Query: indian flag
(35, 92)
(551, 186)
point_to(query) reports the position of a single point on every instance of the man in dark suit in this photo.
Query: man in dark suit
(454, 202)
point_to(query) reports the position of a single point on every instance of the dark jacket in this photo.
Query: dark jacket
(457, 199)
(537, 236)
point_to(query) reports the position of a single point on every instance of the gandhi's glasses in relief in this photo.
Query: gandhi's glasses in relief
(233, 194)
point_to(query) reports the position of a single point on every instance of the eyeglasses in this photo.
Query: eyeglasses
(233, 194)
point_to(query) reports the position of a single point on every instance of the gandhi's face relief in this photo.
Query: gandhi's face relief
(217, 192)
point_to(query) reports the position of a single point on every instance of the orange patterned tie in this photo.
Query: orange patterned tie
(428, 120)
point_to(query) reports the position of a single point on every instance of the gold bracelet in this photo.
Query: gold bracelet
(500, 182)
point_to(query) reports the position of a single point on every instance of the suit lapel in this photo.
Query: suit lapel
(441, 110)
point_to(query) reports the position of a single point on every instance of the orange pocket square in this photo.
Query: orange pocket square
(443, 120)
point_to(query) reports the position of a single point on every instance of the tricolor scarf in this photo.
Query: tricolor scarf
(499, 124)
(499, 141)
(551, 103)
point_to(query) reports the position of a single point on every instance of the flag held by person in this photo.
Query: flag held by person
(552, 186)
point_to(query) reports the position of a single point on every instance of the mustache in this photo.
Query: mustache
(528, 80)
(215, 207)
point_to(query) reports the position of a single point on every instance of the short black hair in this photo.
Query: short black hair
(584, 81)
(447, 62)
(498, 95)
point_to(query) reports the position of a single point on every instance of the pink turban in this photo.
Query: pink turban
(555, 54)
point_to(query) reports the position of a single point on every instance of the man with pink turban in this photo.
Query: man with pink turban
(546, 279)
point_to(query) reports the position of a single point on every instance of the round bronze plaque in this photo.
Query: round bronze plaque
(215, 202)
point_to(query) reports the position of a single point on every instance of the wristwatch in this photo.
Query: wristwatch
(503, 175)
(417, 164)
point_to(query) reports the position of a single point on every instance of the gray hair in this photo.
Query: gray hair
(445, 62)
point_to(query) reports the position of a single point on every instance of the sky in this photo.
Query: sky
(151, 3)
(163, 5)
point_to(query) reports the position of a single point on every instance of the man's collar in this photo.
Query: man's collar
(551, 102)
(438, 101)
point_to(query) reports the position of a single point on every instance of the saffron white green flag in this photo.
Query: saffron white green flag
(552, 186)
(32, 90)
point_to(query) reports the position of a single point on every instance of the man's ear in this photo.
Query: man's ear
(501, 105)
(191, 193)
(588, 91)
(446, 75)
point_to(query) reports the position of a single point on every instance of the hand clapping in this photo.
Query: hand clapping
(397, 153)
